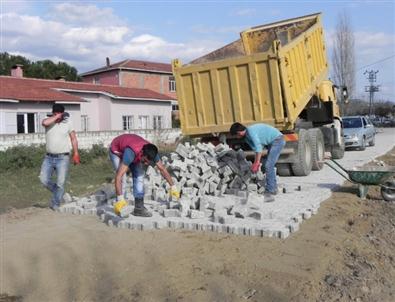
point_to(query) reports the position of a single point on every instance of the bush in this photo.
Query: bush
(20, 157)
(25, 157)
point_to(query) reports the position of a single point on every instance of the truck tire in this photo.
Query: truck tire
(284, 169)
(338, 151)
(317, 148)
(302, 165)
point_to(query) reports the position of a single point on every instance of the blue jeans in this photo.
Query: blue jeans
(274, 150)
(60, 165)
(137, 174)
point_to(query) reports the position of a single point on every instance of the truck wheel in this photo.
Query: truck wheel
(317, 148)
(284, 170)
(338, 151)
(303, 163)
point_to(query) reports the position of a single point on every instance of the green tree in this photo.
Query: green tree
(45, 69)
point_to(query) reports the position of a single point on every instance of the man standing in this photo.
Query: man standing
(130, 151)
(258, 136)
(58, 131)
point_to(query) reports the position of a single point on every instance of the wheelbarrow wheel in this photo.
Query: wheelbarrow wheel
(388, 191)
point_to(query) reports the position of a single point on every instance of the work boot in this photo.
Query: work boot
(139, 209)
(268, 197)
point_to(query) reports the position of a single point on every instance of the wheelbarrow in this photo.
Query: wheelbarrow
(368, 176)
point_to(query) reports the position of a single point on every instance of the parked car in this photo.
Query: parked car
(358, 132)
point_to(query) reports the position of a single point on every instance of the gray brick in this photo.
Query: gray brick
(194, 214)
(182, 151)
(306, 214)
(171, 213)
(67, 198)
(255, 215)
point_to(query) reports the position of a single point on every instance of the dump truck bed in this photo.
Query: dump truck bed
(268, 75)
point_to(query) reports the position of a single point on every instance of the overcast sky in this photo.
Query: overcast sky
(84, 33)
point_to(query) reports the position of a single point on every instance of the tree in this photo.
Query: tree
(45, 69)
(343, 58)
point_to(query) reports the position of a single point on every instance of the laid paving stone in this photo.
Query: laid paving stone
(218, 194)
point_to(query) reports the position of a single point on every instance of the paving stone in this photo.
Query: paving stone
(194, 214)
(67, 198)
(306, 214)
(171, 213)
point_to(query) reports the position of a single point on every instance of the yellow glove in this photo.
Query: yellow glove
(174, 193)
(119, 205)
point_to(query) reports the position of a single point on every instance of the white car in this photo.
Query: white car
(358, 132)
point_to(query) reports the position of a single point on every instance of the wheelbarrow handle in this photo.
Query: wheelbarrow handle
(341, 172)
(337, 164)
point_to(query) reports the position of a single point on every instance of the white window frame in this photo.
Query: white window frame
(141, 119)
(158, 122)
(127, 122)
(84, 123)
(26, 123)
(172, 84)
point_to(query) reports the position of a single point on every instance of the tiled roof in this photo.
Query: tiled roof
(134, 65)
(28, 89)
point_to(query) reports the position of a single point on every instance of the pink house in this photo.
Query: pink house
(154, 76)
(24, 102)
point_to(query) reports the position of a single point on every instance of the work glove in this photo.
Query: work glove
(76, 159)
(255, 167)
(119, 205)
(174, 193)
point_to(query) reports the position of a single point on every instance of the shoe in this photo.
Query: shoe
(143, 212)
(268, 197)
(272, 193)
(139, 209)
(55, 208)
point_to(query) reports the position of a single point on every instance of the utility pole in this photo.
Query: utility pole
(371, 77)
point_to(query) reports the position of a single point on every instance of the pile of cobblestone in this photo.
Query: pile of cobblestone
(218, 193)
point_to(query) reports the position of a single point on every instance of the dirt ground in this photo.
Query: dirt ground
(344, 253)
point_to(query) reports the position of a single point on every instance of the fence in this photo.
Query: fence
(87, 139)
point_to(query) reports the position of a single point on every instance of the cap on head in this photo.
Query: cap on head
(236, 127)
(150, 151)
(57, 108)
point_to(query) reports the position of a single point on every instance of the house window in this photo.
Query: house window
(96, 80)
(143, 122)
(158, 121)
(26, 122)
(172, 84)
(174, 107)
(39, 119)
(127, 122)
(84, 123)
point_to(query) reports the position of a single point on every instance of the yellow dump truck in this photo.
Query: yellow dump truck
(275, 74)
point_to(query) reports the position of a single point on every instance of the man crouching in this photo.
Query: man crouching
(130, 151)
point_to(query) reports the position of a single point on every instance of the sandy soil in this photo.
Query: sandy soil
(344, 253)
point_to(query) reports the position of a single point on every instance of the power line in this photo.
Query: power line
(379, 61)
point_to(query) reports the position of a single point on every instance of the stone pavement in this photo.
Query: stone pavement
(221, 195)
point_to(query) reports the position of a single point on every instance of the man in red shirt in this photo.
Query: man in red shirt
(130, 151)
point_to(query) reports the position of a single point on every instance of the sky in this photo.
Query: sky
(84, 33)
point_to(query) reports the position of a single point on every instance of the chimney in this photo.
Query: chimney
(17, 71)
(108, 61)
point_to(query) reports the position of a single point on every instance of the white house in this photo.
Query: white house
(25, 102)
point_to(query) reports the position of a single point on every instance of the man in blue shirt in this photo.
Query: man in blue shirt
(261, 136)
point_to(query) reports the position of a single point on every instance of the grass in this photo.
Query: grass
(20, 188)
